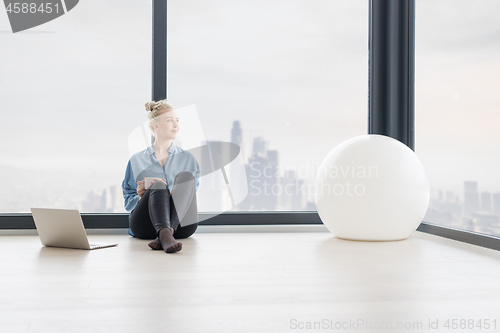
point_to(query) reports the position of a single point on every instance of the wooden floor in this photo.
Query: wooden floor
(248, 282)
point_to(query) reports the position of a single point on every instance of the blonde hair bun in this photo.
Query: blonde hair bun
(150, 106)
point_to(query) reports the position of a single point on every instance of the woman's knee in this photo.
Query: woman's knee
(158, 185)
(183, 176)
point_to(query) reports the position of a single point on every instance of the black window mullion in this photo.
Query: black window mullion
(391, 69)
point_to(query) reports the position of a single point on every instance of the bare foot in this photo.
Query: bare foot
(156, 244)
(168, 242)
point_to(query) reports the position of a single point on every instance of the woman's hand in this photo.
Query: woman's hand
(158, 179)
(140, 188)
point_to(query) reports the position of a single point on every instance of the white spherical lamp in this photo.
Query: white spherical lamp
(372, 188)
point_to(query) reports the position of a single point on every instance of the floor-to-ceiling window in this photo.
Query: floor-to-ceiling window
(72, 90)
(457, 111)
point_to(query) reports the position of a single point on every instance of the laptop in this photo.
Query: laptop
(63, 228)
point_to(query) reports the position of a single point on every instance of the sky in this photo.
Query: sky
(294, 72)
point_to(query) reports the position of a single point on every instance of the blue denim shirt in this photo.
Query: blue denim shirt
(144, 164)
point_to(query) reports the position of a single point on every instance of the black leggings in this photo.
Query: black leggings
(156, 209)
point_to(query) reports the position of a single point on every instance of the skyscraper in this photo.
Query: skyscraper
(261, 172)
(259, 147)
(238, 180)
(237, 135)
(471, 197)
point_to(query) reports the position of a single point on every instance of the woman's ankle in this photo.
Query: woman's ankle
(170, 229)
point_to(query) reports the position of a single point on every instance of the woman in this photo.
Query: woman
(152, 210)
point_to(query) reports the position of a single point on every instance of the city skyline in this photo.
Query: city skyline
(474, 208)
(479, 211)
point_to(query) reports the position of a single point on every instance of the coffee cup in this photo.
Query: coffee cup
(149, 180)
